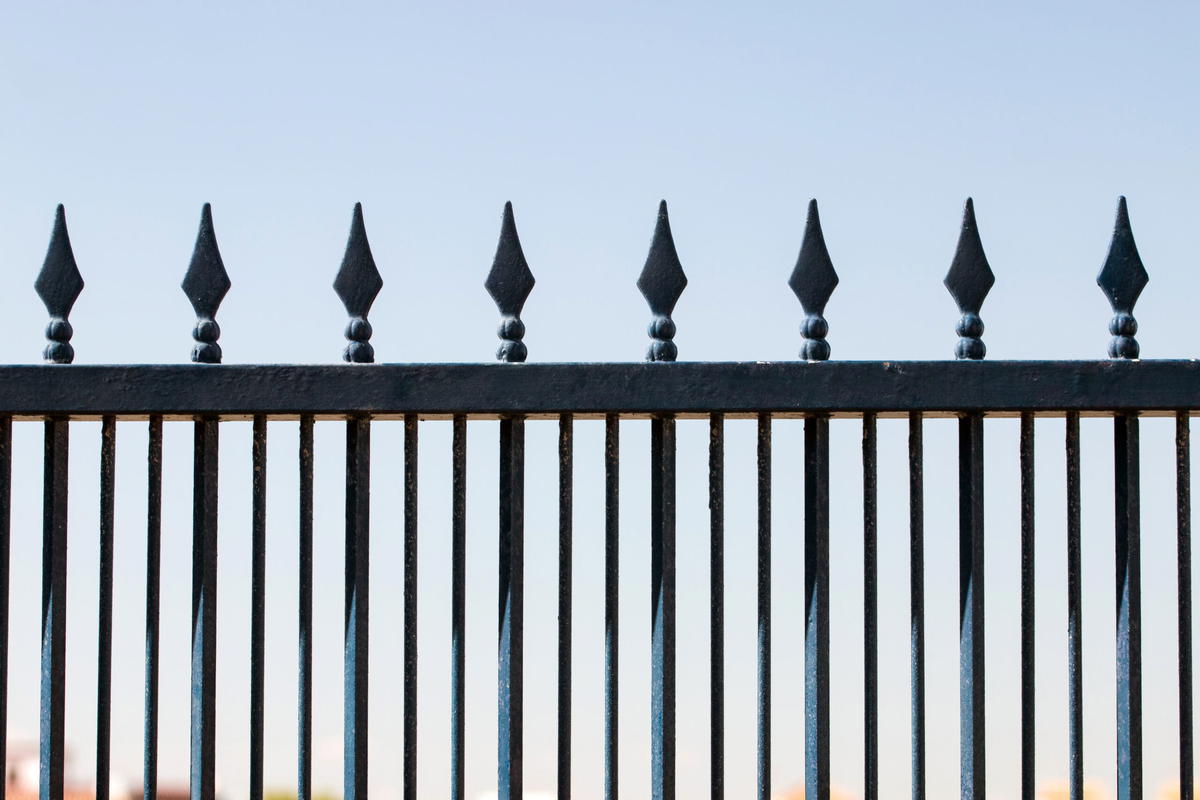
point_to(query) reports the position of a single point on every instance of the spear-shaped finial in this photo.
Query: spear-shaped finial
(662, 282)
(969, 280)
(509, 282)
(205, 285)
(1122, 278)
(59, 284)
(813, 280)
(357, 284)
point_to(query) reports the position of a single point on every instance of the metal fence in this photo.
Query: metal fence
(813, 388)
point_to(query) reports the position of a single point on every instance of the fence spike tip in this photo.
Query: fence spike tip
(357, 284)
(1122, 279)
(206, 283)
(661, 282)
(59, 284)
(509, 283)
(969, 280)
(813, 280)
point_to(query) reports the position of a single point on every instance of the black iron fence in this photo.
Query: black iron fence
(813, 388)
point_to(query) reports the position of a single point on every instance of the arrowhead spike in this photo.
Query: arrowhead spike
(1122, 279)
(206, 284)
(813, 281)
(509, 283)
(58, 284)
(661, 282)
(969, 280)
(357, 284)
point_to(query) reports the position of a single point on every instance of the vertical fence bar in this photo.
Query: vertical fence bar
(258, 593)
(870, 613)
(716, 510)
(204, 609)
(153, 562)
(565, 489)
(54, 598)
(512, 585)
(816, 608)
(458, 584)
(1074, 614)
(662, 615)
(1129, 602)
(764, 607)
(108, 455)
(410, 606)
(1028, 720)
(358, 561)
(971, 593)
(1183, 489)
(5, 539)
(916, 594)
(305, 603)
(612, 571)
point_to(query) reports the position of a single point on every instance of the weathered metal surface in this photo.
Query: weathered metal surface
(206, 283)
(969, 280)
(59, 284)
(357, 285)
(745, 388)
(204, 609)
(1122, 278)
(511, 649)
(509, 283)
(662, 282)
(813, 281)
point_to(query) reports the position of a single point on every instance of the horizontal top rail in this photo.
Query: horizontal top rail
(632, 389)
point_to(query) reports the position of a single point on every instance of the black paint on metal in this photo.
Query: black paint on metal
(1028, 695)
(716, 511)
(764, 607)
(358, 570)
(5, 550)
(357, 284)
(973, 761)
(104, 607)
(813, 281)
(153, 572)
(458, 641)
(59, 284)
(206, 284)
(612, 574)
(1183, 505)
(509, 283)
(662, 282)
(258, 599)
(565, 583)
(916, 579)
(662, 608)
(1183, 585)
(410, 606)
(969, 280)
(304, 730)
(204, 609)
(699, 389)
(512, 608)
(816, 607)
(870, 612)
(54, 602)
(1074, 614)
(1129, 607)
(1122, 278)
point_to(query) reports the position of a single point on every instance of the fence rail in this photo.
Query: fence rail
(815, 389)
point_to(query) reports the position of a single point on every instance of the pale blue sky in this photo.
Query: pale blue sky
(283, 116)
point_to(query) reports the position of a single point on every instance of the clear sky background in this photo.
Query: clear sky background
(432, 115)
